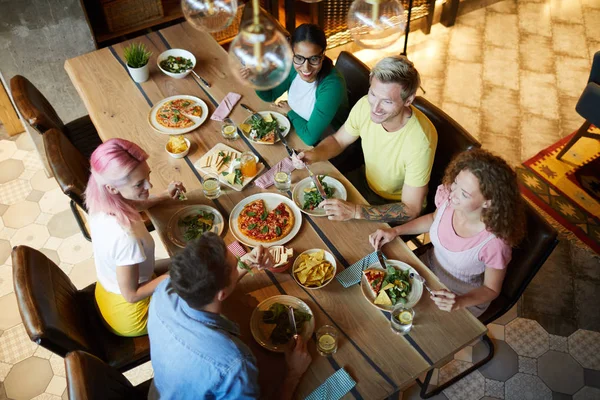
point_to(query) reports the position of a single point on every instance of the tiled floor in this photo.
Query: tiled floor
(510, 74)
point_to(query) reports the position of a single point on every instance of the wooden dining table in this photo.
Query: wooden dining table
(380, 361)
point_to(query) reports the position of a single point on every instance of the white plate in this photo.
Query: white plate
(200, 165)
(413, 297)
(261, 331)
(328, 257)
(281, 120)
(271, 201)
(306, 183)
(175, 232)
(177, 131)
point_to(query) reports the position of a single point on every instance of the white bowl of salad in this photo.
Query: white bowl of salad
(176, 63)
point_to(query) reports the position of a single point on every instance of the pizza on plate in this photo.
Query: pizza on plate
(261, 225)
(374, 278)
(177, 113)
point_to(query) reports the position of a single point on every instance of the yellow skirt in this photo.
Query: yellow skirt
(121, 317)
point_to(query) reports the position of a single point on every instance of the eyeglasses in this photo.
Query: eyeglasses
(314, 60)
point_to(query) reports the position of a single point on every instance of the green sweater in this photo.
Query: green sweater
(331, 106)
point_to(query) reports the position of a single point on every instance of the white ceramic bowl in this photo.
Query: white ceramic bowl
(183, 153)
(176, 53)
(328, 257)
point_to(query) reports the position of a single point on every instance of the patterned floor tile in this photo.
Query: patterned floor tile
(569, 39)
(28, 378)
(538, 94)
(534, 18)
(33, 235)
(24, 142)
(501, 30)
(558, 343)
(572, 75)
(566, 11)
(7, 149)
(5, 250)
(496, 331)
(15, 345)
(584, 346)
(452, 369)
(591, 377)
(587, 393)
(523, 386)
(46, 396)
(560, 372)
(587, 292)
(463, 83)
(413, 393)
(42, 352)
(528, 365)
(501, 67)
(527, 337)
(4, 370)
(467, 117)
(508, 316)
(54, 202)
(43, 219)
(57, 386)
(471, 387)
(466, 354)
(466, 44)
(14, 191)
(51, 254)
(75, 249)
(41, 182)
(63, 225)
(35, 195)
(83, 274)
(58, 365)
(500, 110)
(53, 243)
(6, 280)
(10, 170)
(494, 388)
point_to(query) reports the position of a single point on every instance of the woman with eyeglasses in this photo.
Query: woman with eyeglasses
(317, 102)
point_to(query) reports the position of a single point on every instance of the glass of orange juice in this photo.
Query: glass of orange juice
(248, 164)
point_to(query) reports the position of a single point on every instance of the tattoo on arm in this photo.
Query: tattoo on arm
(396, 212)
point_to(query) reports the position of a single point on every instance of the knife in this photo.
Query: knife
(254, 115)
(292, 320)
(316, 182)
(290, 151)
(381, 260)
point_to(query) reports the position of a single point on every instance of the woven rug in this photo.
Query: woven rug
(568, 190)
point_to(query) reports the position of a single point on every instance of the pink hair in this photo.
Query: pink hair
(111, 163)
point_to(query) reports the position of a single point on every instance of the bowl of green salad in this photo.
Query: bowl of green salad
(176, 63)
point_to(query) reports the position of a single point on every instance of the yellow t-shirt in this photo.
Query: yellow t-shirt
(394, 158)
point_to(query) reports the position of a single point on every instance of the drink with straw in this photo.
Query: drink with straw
(327, 340)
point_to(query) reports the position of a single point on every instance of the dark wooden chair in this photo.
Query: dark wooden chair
(527, 259)
(62, 319)
(90, 378)
(356, 74)
(40, 115)
(72, 170)
(588, 106)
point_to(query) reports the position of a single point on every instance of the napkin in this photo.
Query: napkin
(351, 275)
(266, 180)
(334, 388)
(226, 106)
(236, 249)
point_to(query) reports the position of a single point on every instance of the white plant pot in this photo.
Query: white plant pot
(139, 75)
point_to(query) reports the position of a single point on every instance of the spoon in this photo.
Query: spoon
(419, 278)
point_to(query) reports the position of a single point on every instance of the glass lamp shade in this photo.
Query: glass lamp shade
(376, 24)
(209, 15)
(260, 56)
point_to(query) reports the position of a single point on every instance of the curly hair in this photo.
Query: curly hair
(505, 217)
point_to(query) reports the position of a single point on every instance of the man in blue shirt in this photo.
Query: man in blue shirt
(196, 352)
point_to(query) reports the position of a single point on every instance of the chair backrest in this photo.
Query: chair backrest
(356, 74)
(90, 378)
(71, 169)
(33, 106)
(50, 306)
(595, 72)
(527, 259)
(589, 101)
(452, 139)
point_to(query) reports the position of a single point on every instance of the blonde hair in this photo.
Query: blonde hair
(400, 70)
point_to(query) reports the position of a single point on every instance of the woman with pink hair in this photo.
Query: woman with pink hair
(118, 189)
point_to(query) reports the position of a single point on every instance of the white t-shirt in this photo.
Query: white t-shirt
(302, 97)
(115, 247)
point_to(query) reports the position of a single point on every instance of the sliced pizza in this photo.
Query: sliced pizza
(374, 278)
(172, 118)
(268, 138)
(258, 224)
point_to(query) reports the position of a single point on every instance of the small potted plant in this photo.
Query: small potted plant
(137, 56)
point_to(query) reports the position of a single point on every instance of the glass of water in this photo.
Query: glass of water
(327, 340)
(211, 186)
(401, 319)
(229, 130)
(282, 181)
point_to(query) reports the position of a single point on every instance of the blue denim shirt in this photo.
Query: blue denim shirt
(197, 354)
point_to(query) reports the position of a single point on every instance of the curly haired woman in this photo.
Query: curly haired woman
(479, 217)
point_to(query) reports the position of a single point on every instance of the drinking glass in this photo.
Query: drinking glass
(327, 340)
(211, 186)
(229, 129)
(401, 319)
(282, 181)
(248, 164)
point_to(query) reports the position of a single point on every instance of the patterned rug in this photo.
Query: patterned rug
(569, 189)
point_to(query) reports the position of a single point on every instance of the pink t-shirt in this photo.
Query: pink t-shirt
(495, 254)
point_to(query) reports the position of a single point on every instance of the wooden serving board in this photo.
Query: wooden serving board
(211, 162)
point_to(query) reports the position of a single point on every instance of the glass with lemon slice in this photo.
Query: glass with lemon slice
(327, 340)
(282, 181)
(229, 130)
(401, 319)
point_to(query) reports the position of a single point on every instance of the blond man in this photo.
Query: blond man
(398, 143)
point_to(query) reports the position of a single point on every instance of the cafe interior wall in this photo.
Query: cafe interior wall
(36, 37)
